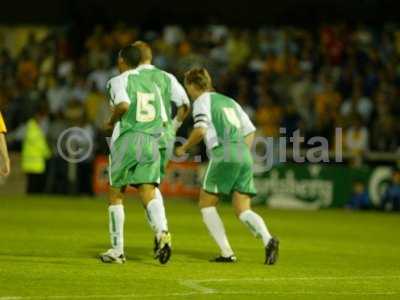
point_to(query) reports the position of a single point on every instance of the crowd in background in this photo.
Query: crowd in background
(309, 79)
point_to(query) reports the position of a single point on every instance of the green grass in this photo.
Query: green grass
(48, 249)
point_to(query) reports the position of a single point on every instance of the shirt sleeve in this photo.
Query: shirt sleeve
(3, 128)
(248, 126)
(116, 91)
(201, 114)
(178, 93)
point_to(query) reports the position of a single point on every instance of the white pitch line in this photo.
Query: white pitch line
(196, 286)
(299, 278)
(113, 296)
(133, 296)
(199, 289)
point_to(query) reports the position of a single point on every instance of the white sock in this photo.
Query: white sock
(116, 226)
(158, 198)
(216, 229)
(256, 225)
(156, 215)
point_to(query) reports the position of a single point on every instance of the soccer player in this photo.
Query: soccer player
(175, 94)
(138, 117)
(4, 159)
(228, 134)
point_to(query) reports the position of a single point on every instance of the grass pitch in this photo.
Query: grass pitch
(48, 249)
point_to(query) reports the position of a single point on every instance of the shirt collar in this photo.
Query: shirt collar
(144, 66)
(203, 95)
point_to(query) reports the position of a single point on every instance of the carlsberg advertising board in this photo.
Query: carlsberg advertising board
(314, 186)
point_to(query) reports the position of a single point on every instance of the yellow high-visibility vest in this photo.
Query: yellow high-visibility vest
(35, 149)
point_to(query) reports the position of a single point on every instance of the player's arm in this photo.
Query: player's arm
(195, 137)
(117, 113)
(181, 100)
(181, 115)
(119, 100)
(248, 139)
(201, 117)
(4, 158)
(248, 127)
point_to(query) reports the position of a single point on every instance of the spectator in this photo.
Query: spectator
(268, 115)
(96, 106)
(80, 181)
(27, 71)
(282, 76)
(357, 104)
(327, 101)
(99, 76)
(391, 197)
(356, 140)
(243, 97)
(301, 93)
(79, 90)
(385, 135)
(238, 49)
(359, 197)
(58, 95)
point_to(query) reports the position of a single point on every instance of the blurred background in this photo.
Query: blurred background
(314, 66)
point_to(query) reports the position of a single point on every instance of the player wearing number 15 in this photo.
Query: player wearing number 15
(138, 115)
(173, 94)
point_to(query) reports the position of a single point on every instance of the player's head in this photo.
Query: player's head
(197, 81)
(128, 58)
(146, 54)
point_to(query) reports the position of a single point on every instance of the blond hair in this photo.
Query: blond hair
(199, 77)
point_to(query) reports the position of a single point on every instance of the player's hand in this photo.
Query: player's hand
(180, 151)
(5, 168)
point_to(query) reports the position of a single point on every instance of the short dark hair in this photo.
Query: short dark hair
(145, 50)
(131, 55)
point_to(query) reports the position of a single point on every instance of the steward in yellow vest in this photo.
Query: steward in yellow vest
(35, 152)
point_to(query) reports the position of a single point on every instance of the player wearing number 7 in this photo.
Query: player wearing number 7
(228, 134)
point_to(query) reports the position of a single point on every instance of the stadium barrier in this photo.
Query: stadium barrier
(289, 185)
(314, 186)
(181, 179)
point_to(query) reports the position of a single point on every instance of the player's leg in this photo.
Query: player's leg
(148, 173)
(159, 197)
(147, 176)
(158, 220)
(160, 200)
(154, 209)
(120, 164)
(164, 159)
(253, 221)
(213, 222)
(116, 227)
(244, 188)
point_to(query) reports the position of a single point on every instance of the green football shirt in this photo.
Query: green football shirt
(223, 117)
(149, 91)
